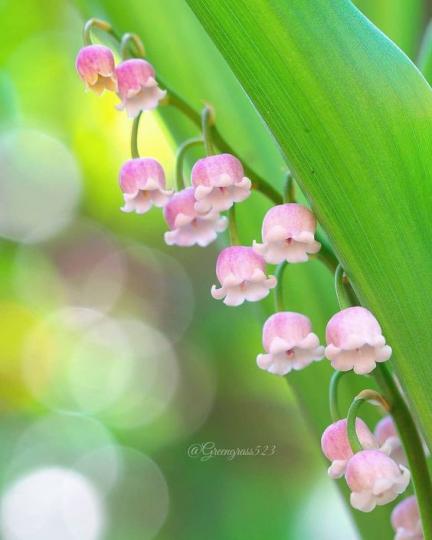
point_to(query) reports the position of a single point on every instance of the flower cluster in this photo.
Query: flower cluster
(377, 473)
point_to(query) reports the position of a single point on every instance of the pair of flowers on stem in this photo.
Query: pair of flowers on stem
(193, 214)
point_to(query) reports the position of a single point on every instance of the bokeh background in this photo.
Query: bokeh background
(114, 359)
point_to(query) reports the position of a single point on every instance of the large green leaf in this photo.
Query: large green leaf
(352, 116)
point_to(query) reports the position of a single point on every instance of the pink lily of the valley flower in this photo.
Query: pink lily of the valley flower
(389, 441)
(288, 234)
(219, 182)
(137, 86)
(336, 447)
(374, 479)
(187, 226)
(95, 66)
(289, 343)
(241, 273)
(355, 341)
(142, 181)
(405, 520)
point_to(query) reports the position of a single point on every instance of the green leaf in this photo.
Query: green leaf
(352, 116)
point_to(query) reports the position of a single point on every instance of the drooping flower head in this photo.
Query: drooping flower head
(219, 182)
(137, 86)
(142, 181)
(374, 479)
(336, 447)
(241, 273)
(95, 66)
(187, 227)
(289, 343)
(355, 341)
(288, 234)
(389, 441)
(405, 520)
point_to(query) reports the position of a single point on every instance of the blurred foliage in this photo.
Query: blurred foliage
(114, 268)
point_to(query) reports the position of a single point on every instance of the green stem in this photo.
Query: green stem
(126, 41)
(364, 397)
(180, 157)
(289, 190)
(326, 254)
(412, 444)
(333, 395)
(278, 292)
(207, 122)
(94, 23)
(232, 226)
(134, 137)
(344, 292)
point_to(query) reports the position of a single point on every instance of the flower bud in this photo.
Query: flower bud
(288, 234)
(137, 87)
(289, 343)
(374, 479)
(142, 181)
(405, 520)
(389, 441)
(241, 273)
(95, 66)
(336, 446)
(187, 227)
(355, 341)
(219, 182)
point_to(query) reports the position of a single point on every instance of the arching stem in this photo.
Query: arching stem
(278, 292)
(125, 46)
(180, 157)
(134, 137)
(364, 396)
(232, 226)
(94, 23)
(207, 122)
(289, 190)
(334, 396)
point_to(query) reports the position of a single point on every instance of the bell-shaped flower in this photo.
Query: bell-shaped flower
(241, 273)
(289, 343)
(374, 479)
(95, 66)
(355, 341)
(142, 181)
(389, 441)
(137, 86)
(219, 182)
(288, 234)
(336, 446)
(187, 227)
(405, 520)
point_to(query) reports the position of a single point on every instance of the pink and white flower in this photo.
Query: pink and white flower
(241, 273)
(187, 226)
(289, 343)
(355, 341)
(219, 182)
(288, 234)
(95, 66)
(374, 479)
(142, 181)
(137, 87)
(336, 446)
(389, 441)
(405, 520)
